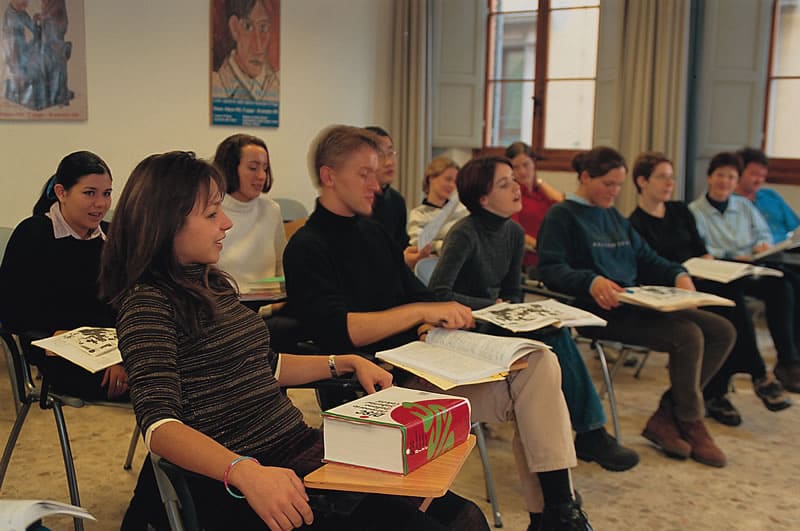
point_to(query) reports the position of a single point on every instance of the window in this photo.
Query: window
(540, 76)
(783, 94)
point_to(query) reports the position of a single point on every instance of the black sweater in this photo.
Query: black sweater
(49, 284)
(674, 236)
(335, 265)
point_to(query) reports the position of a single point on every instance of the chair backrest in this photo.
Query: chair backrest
(291, 209)
(19, 371)
(5, 235)
(172, 487)
(424, 268)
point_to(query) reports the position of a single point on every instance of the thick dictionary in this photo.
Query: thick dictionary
(396, 429)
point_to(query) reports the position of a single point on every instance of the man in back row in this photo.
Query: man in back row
(779, 216)
(352, 290)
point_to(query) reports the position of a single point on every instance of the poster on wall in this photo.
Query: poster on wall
(42, 60)
(245, 61)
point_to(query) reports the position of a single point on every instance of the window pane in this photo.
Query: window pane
(511, 111)
(514, 5)
(784, 115)
(557, 4)
(573, 43)
(514, 51)
(569, 115)
(787, 40)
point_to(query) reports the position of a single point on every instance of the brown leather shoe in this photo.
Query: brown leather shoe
(789, 376)
(662, 431)
(704, 449)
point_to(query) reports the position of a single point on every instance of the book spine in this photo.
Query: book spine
(437, 426)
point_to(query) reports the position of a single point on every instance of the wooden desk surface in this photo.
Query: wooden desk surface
(429, 481)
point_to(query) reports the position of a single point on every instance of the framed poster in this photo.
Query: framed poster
(245, 62)
(43, 60)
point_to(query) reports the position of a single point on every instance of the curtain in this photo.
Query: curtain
(410, 123)
(654, 86)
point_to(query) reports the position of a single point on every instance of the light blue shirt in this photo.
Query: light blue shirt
(779, 216)
(733, 233)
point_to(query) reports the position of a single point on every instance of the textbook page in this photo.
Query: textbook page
(92, 348)
(529, 316)
(499, 351)
(669, 299)
(17, 515)
(789, 243)
(432, 228)
(724, 271)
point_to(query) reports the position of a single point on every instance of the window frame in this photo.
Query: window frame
(781, 170)
(552, 159)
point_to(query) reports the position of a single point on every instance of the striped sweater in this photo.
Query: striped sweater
(221, 384)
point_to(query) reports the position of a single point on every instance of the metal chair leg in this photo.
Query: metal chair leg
(612, 402)
(69, 465)
(12, 440)
(132, 447)
(641, 364)
(491, 494)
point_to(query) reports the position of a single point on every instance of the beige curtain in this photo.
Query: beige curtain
(409, 124)
(654, 86)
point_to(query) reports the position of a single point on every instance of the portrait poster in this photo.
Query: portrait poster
(245, 62)
(43, 60)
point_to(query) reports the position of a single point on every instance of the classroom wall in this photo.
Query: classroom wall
(147, 70)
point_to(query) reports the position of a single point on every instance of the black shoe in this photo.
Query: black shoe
(720, 409)
(789, 376)
(565, 517)
(771, 392)
(599, 446)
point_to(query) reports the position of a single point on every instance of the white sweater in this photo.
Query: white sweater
(424, 214)
(253, 248)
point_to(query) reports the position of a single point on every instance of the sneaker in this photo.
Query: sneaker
(789, 376)
(565, 517)
(599, 446)
(770, 391)
(720, 409)
(704, 449)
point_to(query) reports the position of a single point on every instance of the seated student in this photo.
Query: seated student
(389, 207)
(733, 228)
(479, 265)
(203, 375)
(669, 228)
(48, 279)
(537, 198)
(779, 216)
(587, 249)
(254, 246)
(438, 185)
(348, 281)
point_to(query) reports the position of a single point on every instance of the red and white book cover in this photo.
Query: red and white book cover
(396, 429)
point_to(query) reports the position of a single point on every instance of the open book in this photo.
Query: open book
(789, 243)
(670, 299)
(528, 316)
(17, 515)
(448, 358)
(92, 348)
(724, 271)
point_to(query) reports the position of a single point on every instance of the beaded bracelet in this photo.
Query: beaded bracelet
(228, 471)
(332, 366)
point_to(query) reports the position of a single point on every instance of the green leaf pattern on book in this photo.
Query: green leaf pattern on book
(441, 437)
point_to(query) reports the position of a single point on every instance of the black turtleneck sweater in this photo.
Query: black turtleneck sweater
(335, 265)
(389, 209)
(481, 261)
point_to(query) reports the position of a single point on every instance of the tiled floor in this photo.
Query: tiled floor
(758, 490)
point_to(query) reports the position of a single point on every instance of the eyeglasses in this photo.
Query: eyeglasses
(391, 153)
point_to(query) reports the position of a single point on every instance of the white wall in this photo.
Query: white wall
(147, 69)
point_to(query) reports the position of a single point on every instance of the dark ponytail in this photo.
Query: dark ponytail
(598, 161)
(69, 172)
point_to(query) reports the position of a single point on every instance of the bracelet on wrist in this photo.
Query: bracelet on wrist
(332, 366)
(228, 473)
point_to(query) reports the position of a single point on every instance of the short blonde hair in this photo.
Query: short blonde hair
(333, 144)
(437, 167)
